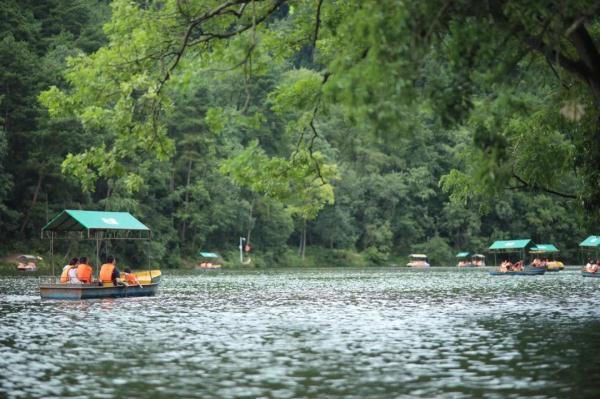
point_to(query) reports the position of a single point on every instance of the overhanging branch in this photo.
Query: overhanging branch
(537, 187)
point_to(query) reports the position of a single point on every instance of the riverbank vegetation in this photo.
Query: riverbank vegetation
(325, 132)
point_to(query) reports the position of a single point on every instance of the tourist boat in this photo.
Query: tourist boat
(51, 288)
(418, 261)
(97, 226)
(209, 261)
(463, 259)
(591, 245)
(27, 263)
(478, 260)
(526, 272)
(544, 249)
(519, 247)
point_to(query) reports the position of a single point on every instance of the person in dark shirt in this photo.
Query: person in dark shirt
(109, 272)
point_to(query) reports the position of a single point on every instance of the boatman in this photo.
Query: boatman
(109, 272)
(84, 271)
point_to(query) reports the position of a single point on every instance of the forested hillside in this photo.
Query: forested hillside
(325, 132)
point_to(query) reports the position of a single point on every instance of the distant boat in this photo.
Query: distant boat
(27, 263)
(209, 261)
(463, 259)
(545, 249)
(418, 261)
(477, 260)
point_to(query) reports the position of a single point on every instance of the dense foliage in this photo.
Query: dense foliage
(352, 132)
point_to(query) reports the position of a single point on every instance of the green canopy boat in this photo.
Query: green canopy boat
(463, 259)
(96, 226)
(210, 261)
(591, 245)
(519, 246)
(545, 249)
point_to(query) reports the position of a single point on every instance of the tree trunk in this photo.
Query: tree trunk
(303, 241)
(590, 58)
(172, 182)
(186, 202)
(36, 192)
(250, 224)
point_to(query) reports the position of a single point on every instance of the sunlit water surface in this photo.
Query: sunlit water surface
(325, 333)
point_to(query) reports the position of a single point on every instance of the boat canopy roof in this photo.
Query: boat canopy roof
(462, 254)
(591, 241)
(543, 248)
(208, 254)
(507, 245)
(25, 258)
(478, 256)
(418, 256)
(97, 221)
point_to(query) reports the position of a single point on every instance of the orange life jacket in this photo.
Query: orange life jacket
(84, 273)
(130, 278)
(106, 272)
(64, 276)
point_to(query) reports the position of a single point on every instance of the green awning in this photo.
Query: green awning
(462, 254)
(543, 248)
(74, 220)
(591, 241)
(510, 244)
(208, 254)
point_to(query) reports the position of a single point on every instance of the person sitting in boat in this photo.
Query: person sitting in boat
(545, 262)
(130, 278)
(505, 266)
(537, 262)
(518, 267)
(109, 272)
(591, 267)
(84, 271)
(69, 270)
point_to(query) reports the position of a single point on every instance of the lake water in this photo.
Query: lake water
(317, 333)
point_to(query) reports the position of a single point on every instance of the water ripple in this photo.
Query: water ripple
(327, 333)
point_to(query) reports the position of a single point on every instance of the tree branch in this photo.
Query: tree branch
(539, 188)
(316, 34)
(206, 37)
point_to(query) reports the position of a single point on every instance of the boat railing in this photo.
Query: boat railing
(48, 280)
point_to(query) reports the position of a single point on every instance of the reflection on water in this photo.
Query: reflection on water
(328, 333)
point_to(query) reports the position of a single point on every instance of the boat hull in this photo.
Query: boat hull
(82, 291)
(590, 274)
(522, 273)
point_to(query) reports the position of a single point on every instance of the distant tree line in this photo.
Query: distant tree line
(324, 132)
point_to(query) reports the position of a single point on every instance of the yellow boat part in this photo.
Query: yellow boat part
(148, 276)
(144, 277)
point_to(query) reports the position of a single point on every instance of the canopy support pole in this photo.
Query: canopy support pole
(98, 252)
(52, 251)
